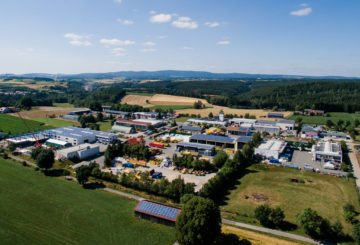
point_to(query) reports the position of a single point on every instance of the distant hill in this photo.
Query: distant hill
(168, 74)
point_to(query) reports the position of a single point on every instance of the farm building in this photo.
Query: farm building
(57, 143)
(271, 149)
(202, 149)
(157, 212)
(118, 114)
(311, 112)
(74, 115)
(327, 151)
(275, 115)
(238, 131)
(123, 129)
(77, 136)
(79, 152)
(207, 121)
(191, 129)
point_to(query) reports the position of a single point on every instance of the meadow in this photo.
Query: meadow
(333, 116)
(15, 125)
(56, 123)
(272, 185)
(36, 209)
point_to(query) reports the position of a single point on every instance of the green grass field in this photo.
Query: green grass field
(15, 125)
(67, 105)
(182, 119)
(105, 125)
(174, 107)
(321, 120)
(325, 194)
(35, 209)
(56, 123)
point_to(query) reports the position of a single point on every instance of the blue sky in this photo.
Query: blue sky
(317, 37)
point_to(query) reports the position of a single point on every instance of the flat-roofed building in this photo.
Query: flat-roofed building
(191, 129)
(139, 124)
(219, 141)
(325, 151)
(145, 115)
(271, 148)
(275, 115)
(238, 131)
(123, 129)
(79, 152)
(286, 124)
(241, 121)
(202, 149)
(207, 121)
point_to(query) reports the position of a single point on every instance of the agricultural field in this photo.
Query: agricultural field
(136, 100)
(15, 125)
(164, 99)
(31, 83)
(333, 116)
(36, 209)
(139, 93)
(46, 111)
(66, 105)
(174, 107)
(56, 123)
(272, 185)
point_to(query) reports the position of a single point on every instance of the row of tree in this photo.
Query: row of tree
(189, 161)
(138, 151)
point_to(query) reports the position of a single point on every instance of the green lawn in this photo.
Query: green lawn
(67, 105)
(57, 123)
(321, 120)
(325, 194)
(35, 209)
(105, 125)
(15, 125)
(174, 107)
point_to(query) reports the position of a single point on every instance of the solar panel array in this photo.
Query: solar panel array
(195, 145)
(244, 139)
(191, 128)
(209, 137)
(156, 209)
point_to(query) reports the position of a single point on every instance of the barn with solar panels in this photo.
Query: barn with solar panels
(157, 212)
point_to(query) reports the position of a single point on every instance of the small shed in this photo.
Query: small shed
(157, 212)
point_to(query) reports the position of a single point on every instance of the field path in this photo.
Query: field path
(354, 163)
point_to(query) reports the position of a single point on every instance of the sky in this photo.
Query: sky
(315, 37)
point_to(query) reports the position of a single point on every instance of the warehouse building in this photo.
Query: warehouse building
(241, 121)
(77, 136)
(145, 115)
(327, 151)
(191, 129)
(57, 143)
(118, 114)
(271, 149)
(219, 141)
(202, 149)
(79, 152)
(74, 115)
(139, 124)
(242, 140)
(123, 129)
(156, 212)
(266, 126)
(207, 121)
(238, 131)
(286, 124)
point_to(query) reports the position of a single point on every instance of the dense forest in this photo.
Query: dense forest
(329, 95)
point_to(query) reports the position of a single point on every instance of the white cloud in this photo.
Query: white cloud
(148, 50)
(119, 51)
(77, 40)
(188, 48)
(149, 44)
(185, 23)
(223, 43)
(160, 18)
(125, 22)
(304, 5)
(162, 37)
(301, 12)
(212, 24)
(118, 1)
(116, 42)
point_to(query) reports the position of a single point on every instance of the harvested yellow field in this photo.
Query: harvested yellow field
(136, 100)
(256, 238)
(164, 99)
(46, 111)
(216, 110)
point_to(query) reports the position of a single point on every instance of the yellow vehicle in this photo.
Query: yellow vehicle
(217, 148)
(230, 151)
(185, 153)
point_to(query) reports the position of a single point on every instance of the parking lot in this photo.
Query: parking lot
(300, 158)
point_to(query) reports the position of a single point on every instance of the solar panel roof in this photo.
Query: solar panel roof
(195, 145)
(158, 210)
(191, 128)
(212, 138)
(244, 139)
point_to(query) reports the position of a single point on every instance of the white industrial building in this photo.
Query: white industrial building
(286, 124)
(207, 121)
(325, 151)
(271, 148)
(79, 152)
(77, 136)
(241, 121)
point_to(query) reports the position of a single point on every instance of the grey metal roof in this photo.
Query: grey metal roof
(195, 145)
(244, 139)
(209, 137)
(191, 128)
(286, 121)
(268, 122)
(158, 210)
